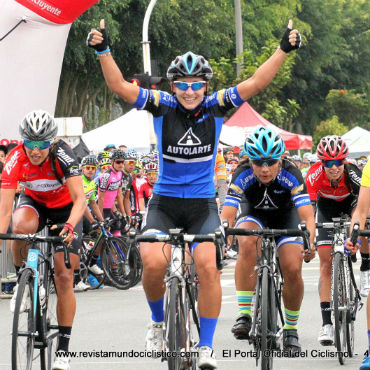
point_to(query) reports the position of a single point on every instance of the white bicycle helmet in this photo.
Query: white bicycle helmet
(38, 125)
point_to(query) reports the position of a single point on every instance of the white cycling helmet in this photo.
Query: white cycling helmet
(38, 125)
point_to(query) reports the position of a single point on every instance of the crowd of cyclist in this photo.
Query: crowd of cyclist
(258, 187)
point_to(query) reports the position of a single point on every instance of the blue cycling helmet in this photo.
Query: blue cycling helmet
(264, 143)
(189, 65)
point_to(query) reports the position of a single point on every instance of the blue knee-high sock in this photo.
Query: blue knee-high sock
(368, 336)
(207, 330)
(157, 310)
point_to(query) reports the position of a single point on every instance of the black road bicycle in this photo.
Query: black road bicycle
(345, 298)
(267, 311)
(121, 262)
(181, 325)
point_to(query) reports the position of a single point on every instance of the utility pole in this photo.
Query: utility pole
(238, 33)
(146, 42)
(147, 65)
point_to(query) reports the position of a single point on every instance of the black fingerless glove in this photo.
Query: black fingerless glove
(285, 45)
(103, 47)
(95, 225)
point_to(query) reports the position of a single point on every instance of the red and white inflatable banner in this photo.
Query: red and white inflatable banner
(58, 11)
(31, 56)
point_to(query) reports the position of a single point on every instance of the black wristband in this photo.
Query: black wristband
(285, 45)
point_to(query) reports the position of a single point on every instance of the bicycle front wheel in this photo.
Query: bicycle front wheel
(339, 301)
(24, 322)
(268, 320)
(115, 264)
(176, 325)
(49, 319)
(350, 322)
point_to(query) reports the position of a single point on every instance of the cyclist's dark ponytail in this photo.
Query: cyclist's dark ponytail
(347, 180)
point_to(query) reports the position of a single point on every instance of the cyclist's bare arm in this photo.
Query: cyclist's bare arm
(101, 201)
(306, 214)
(362, 208)
(267, 71)
(6, 207)
(88, 215)
(112, 74)
(229, 213)
(120, 198)
(141, 205)
(360, 213)
(75, 188)
(95, 210)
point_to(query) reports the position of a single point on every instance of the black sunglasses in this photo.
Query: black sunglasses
(264, 162)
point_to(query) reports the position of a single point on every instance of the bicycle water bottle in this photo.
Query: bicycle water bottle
(89, 245)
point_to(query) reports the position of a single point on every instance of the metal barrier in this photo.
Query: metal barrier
(6, 261)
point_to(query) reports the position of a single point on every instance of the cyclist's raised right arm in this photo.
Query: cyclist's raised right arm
(6, 207)
(112, 74)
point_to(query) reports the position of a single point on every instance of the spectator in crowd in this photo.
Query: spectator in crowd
(10, 147)
(228, 155)
(123, 148)
(110, 147)
(3, 151)
(220, 178)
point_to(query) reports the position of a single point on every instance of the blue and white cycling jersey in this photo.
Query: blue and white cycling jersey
(187, 141)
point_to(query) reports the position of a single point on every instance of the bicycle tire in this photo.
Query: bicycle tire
(266, 323)
(176, 325)
(339, 300)
(24, 322)
(84, 263)
(49, 315)
(117, 271)
(350, 323)
(137, 265)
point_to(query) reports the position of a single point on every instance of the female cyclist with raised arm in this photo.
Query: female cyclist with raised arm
(188, 125)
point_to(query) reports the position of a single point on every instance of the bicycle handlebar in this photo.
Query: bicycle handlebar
(302, 232)
(176, 236)
(40, 238)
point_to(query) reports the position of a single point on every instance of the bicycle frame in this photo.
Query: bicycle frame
(269, 260)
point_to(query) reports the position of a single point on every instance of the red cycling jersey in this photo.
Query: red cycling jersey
(145, 192)
(39, 182)
(317, 182)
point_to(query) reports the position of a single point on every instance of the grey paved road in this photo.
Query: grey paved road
(112, 320)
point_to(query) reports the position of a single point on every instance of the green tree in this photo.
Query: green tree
(350, 107)
(331, 126)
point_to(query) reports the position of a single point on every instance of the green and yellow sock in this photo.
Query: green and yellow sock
(245, 302)
(291, 319)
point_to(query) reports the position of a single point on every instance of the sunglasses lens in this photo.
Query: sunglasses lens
(197, 85)
(181, 85)
(39, 144)
(330, 164)
(263, 162)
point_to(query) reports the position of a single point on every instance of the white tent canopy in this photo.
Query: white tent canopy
(358, 141)
(134, 129)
